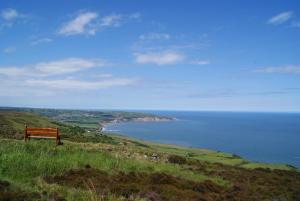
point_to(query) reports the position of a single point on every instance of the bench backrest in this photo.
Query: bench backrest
(49, 132)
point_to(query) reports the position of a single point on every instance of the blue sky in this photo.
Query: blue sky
(139, 54)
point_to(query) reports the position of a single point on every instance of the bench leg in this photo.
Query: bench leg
(26, 138)
(58, 141)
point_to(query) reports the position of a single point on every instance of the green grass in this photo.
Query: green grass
(27, 163)
(12, 124)
(207, 155)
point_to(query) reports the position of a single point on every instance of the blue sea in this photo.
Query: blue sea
(262, 137)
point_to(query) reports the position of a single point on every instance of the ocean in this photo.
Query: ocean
(261, 137)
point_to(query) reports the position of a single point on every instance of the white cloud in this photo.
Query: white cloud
(9, 50)
(292, 69)
(155, 36)
(116, 20)
(89, 23)
(80, 25)
(164, 48)
(38, 79)
(201, 62)
(18, 88)
(12, 71)
(9, 14)
(280, 18)
(69, 65)
(80, 84)
(134, 16)
(159, 58)
(111, 20)
(42, 40)
(105, 75)
(58, 67)
(296, 24)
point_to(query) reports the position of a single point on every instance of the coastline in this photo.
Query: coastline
(137, 119)
(112, 131)
(203, 154)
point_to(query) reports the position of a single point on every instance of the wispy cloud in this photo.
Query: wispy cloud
(81, 84)
(81, 24)
(103, 75)
(24, 86)
(280, 18)
(69, 65)
(18, 88)
(230, 93)
(40, 41)
(136, 16)
(113, 20)
(89, 23)
(9, 14)
(162, 48)
(9, 50)
(57, 67)
(214, 93)
(200, 62)
(116, 20)
(155, 36)
(12, 71)
(46, 78)
(163, 58)
(290, 69)
(296, 24)
(159, 41)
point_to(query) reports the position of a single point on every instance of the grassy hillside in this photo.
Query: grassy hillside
(88, 119)
(100, 171)
(101, 167)
(12, 124)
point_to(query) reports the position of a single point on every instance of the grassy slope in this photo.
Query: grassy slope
(12, 124)
(25, 165)
(207, 155)
(28, 163)
(88, 119)
(17, 120)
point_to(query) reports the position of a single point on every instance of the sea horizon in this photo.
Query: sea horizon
(153, 110)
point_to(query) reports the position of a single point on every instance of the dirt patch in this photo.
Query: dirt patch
(257, 184)
(3, 185)
(245, 184)
(12, 194)
(177, 159)
(154, 186)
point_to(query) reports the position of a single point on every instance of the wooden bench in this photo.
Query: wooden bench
(51, 133)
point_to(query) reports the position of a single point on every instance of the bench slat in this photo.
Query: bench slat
(42, 133)
(41, 129)
(42, 137)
